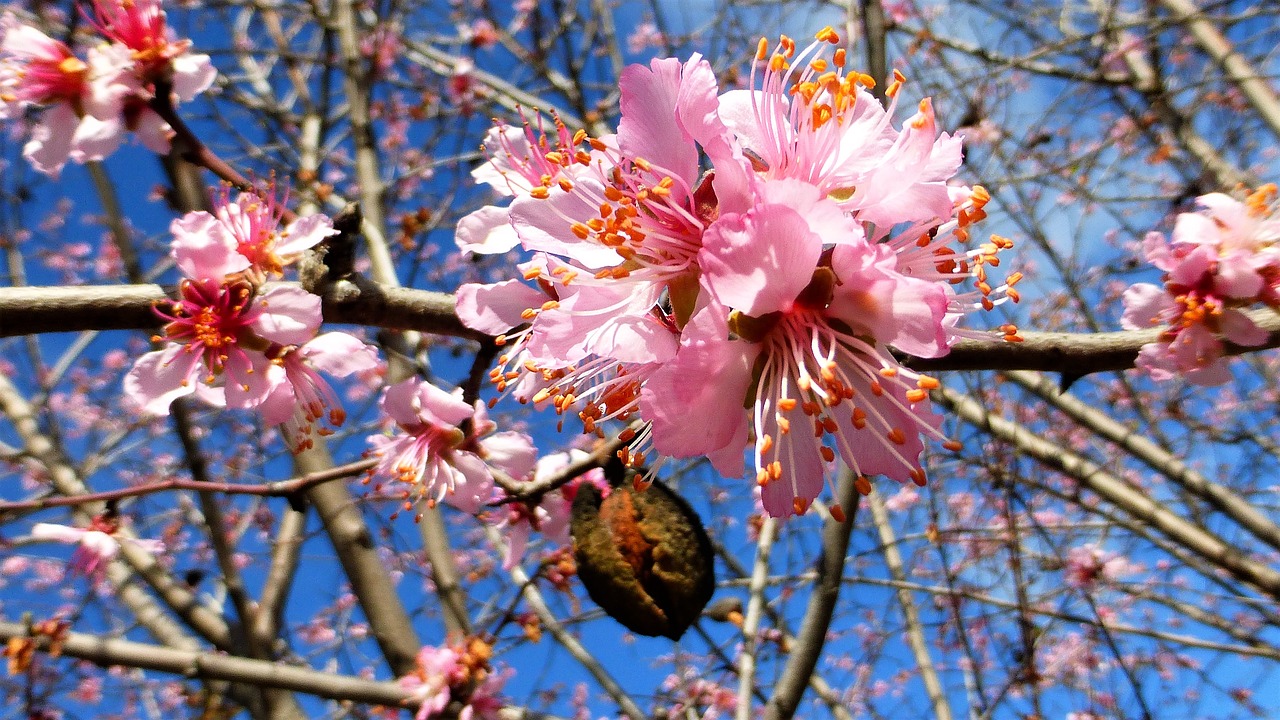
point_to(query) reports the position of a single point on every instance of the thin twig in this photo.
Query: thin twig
(279, 488)
(911, 618)
(751, 623)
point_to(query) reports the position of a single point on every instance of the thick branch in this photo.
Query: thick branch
(214, 666)
(1153, 456)
(1128, 498)
(28, 310)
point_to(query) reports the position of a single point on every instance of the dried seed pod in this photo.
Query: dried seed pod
(643, 556)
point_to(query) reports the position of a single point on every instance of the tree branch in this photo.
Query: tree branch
(29, 310)
(807, 647)
(109, 652)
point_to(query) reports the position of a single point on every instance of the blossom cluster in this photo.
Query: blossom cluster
(757, 302)
(439, 461)
(233, 341)
(1218, 262)
(456, 672)
(89, 102)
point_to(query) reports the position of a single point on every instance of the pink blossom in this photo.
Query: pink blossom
(432, 454)
(383, 45)
(778, 282)
(302, 397)
(460, 88)
(1218, 262)
(482, 33)
(1089, 564)
(458, 672)
(244, 234)
(550, 516)
(643, 36)
(811, 328)
(96, 544)
(520, 158)
(820, 365)
(139, 25)
(906, 497)
(437, 668)
(223, 332)
(833, 134)
(83, 99)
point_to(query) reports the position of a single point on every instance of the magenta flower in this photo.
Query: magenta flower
(140, 26)
(431, 453)
(219, 335)
(83, 99)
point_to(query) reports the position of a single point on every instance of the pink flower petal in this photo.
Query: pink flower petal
(498, 307)
(340, 354)
(1146, 306)
(192, 75)
(703, 388)
(541, 224)
(203, 249)
(648, 128)
(51, 140)
(291, 315)
(304, 233)
(160, 377)
(486, 231)
(511, 452)
(57, 533)
(758, 262)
